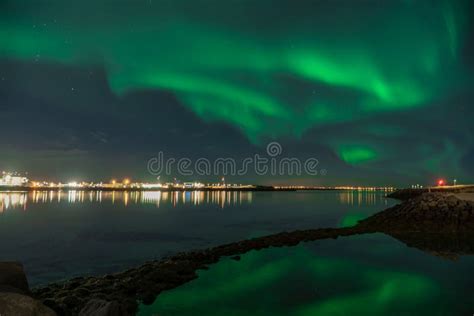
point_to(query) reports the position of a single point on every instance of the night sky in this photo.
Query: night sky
(380, 92)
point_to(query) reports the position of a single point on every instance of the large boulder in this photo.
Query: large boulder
(13, 278)
(15, 304)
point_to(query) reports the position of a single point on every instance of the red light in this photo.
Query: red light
(440, 182)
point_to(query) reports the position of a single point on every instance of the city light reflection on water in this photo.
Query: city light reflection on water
(358, 198)
(20, 200)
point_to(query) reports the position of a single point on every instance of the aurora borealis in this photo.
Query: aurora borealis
(373, 89)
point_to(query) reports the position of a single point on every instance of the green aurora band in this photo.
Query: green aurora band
(271, 73)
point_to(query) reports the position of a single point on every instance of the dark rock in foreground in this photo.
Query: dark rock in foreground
(13, 278)
(15, 294)
(416, 222)
(14, 304)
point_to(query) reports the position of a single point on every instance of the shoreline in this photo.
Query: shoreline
(436, 223)
(405, 194)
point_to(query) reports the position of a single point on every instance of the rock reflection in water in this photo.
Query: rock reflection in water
(447, 245)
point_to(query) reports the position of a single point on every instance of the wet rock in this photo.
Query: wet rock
(15, 304)
(55, 306)
(13, 278)
(96, 307)
(71, 301)
(147, 297)
(82, 291)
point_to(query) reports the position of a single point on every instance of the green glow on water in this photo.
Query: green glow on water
(351, 220)
(297, 282)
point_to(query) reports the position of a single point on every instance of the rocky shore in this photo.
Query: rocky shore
(429, 212)
(418, 222)
(406, 194)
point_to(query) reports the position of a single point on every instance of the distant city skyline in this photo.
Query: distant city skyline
(15, 178)
(18, 180)
(378, 92)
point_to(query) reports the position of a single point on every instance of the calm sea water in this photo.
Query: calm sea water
(60, 235)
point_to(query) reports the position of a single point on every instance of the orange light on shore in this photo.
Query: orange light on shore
(126, 181)
(440, 182)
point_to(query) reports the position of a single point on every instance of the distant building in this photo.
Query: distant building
(13, 180)
(188, 185)
(192, 185)
(151, 185)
